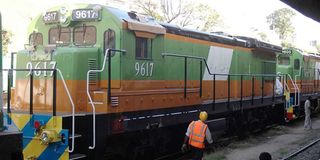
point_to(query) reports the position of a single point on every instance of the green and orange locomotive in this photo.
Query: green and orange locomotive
(96, 82)
(303, 71)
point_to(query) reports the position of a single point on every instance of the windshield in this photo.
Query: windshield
(283, 60)
(35, 39)
(84, 35)
(59, 35)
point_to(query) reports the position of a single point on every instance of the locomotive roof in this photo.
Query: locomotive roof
(213, 37)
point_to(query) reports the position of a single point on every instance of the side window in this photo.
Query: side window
(109, 39)
(143, 48)
(36, 39)
(296, 64)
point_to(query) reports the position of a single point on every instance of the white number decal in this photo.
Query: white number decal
(51, 16)
(37, 73)
(83, 14)
(144, 69)
(41, 65)
(53, 66)
(45, 67)
(78, 14)
(29, 66)
(86, 14)
(137, 67)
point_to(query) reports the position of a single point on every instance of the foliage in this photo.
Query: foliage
(6, 40)
(184, 13)
(318, 48)
(263, 36)
(287, 44)
(280, 22)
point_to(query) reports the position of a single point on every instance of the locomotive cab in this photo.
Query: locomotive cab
(301, 70)
(67, 39)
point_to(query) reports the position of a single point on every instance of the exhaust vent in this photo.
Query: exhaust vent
(93, 77)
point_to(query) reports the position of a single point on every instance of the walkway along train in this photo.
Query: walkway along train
(99, 83)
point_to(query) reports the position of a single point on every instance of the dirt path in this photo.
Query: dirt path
(279, 141)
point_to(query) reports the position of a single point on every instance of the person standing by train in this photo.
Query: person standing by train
(307, 111)
(196, 133)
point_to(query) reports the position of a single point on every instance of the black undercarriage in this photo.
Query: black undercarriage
(155, 133)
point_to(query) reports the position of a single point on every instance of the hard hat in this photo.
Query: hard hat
(203, 116)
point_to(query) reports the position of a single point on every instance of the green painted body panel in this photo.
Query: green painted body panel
(306, 67)
(73, 60)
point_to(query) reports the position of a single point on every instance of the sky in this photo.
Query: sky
(240, 17)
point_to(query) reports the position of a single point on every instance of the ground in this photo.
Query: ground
(279, 141)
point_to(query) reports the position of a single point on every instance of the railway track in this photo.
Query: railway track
(309, 151)
(220, 143)
(183, 156)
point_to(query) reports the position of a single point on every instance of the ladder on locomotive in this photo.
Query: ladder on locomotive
(292, 98)
(107, 58)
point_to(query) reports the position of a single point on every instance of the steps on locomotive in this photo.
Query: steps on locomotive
(75, 136)
(77, 156)
(80, 144)
(100, 98)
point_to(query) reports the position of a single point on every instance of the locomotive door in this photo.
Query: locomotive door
(269, 67)
(110, 42)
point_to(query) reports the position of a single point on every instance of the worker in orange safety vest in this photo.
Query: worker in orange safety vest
(196, 134)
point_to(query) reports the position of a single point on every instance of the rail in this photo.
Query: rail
(106, 56)
(253, 77)
(54, 108)
(301, 149)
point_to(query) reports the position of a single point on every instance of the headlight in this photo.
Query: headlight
(45, 138)
(49, 136)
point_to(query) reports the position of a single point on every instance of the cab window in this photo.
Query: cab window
(296, 64)
(36, 38)
(84, 35)
(143, 48)
(59, 35)
(109, 39)
(284, 60)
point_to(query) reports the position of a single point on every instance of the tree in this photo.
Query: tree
(263, 36)
(318, 48)
(280, 22)
(6, 40)
(183, 14)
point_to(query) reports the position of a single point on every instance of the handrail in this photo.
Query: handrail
(218, 74)
(73, 109)
(106, 55)
(295, 81)
(296, 90)
(66, 89)
(224, 74)
(285, 87)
